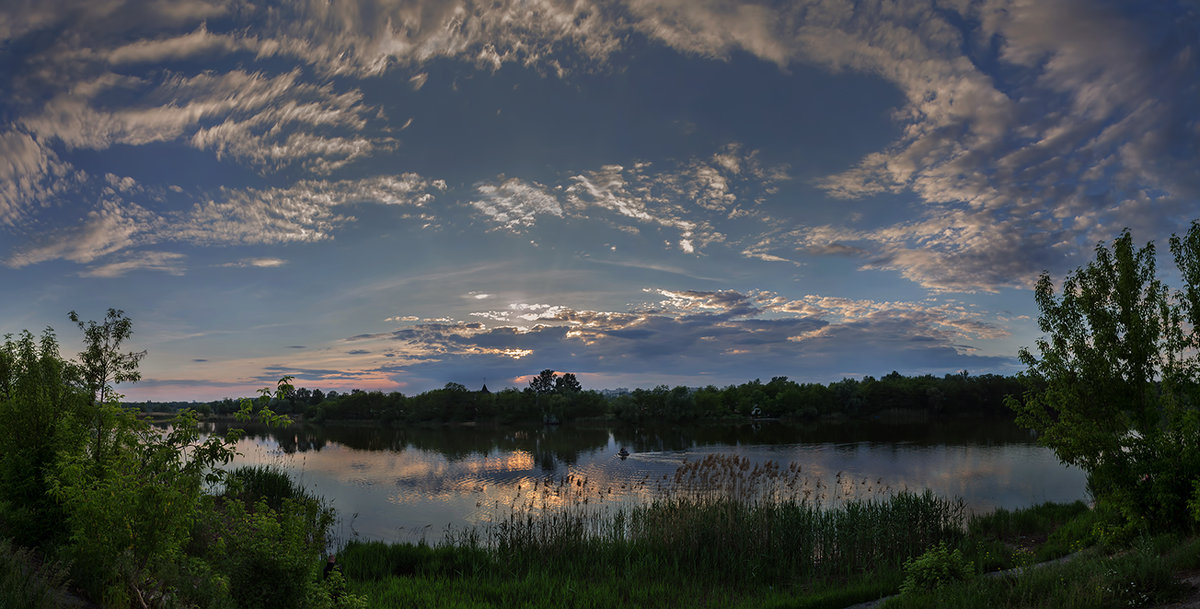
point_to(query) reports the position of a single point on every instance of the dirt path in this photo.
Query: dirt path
(1191, 579)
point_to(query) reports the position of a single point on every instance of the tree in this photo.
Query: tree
(1113, 387)
(102, 365)
(567, 383)
(103, 362)
(40, 398)
(543, 382)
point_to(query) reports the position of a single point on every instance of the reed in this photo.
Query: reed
(250, 483)
(722, 519)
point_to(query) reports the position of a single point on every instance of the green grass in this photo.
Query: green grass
(26, 585)
(1141, 576)
(1039, 520)
(251, 483)
(739, 540)
(725, 534)
(551, 590)
(1007, 538)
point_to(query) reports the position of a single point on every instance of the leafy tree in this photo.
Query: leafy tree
(543, 382)
(567, 383)
(1113, 387)
(102, 365)
(103, 362)
(40, 399)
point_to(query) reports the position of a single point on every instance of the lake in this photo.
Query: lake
(418, 483)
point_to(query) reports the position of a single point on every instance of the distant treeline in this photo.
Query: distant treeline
(551, 398)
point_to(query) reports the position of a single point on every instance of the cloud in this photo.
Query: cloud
(271, 121)
(344, 37)
(727, 335)
(687, 198)
(166, 262)
(110, 228)
(262, 263)
(1030, 131)
(514, 204)
(30, 176)
(303, 212)
(198, 42)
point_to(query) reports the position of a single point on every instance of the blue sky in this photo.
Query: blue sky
(396, 195)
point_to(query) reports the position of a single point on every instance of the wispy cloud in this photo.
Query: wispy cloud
(166, 262)
(262, 263)
(30, 175)
(513, 204)
(1029, 136)
(687, 198)
(303, 212)
(112, 227)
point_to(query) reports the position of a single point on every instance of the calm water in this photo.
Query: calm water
(412, 484)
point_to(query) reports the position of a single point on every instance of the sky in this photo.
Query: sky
(393, 195)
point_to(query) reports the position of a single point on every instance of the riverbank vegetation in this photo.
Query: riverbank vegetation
(751, 541)
(137, 516)
(893, 396)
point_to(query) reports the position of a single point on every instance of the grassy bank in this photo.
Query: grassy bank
(722, 534)
(741, 540)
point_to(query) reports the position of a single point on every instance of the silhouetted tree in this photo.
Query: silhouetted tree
(543, 382)
(567, 384)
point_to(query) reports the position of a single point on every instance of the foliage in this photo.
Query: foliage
(768, 529)
(26, 585)
(128, 505)
(1113, 389)
(281, 547)
(251, 483)
(936, 567)
(41, 400)
(1059, 524)
(891, 396)
(1139, 577)
(134, 517)
(101, 362)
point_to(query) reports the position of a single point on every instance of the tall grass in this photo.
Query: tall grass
(26, 585)
(250, 483)
(728, 540)
(721, 525)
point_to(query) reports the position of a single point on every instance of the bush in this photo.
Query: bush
(283, 548)
(936, 567)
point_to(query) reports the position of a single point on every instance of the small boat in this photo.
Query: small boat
(622, 453)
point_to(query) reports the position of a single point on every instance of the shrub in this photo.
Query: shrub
(283, 548)
(936, 567)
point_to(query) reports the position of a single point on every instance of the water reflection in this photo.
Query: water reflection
(411, 484)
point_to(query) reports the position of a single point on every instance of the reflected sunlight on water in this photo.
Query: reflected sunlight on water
(408, 485)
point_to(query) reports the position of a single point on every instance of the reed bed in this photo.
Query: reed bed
(721, 518)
